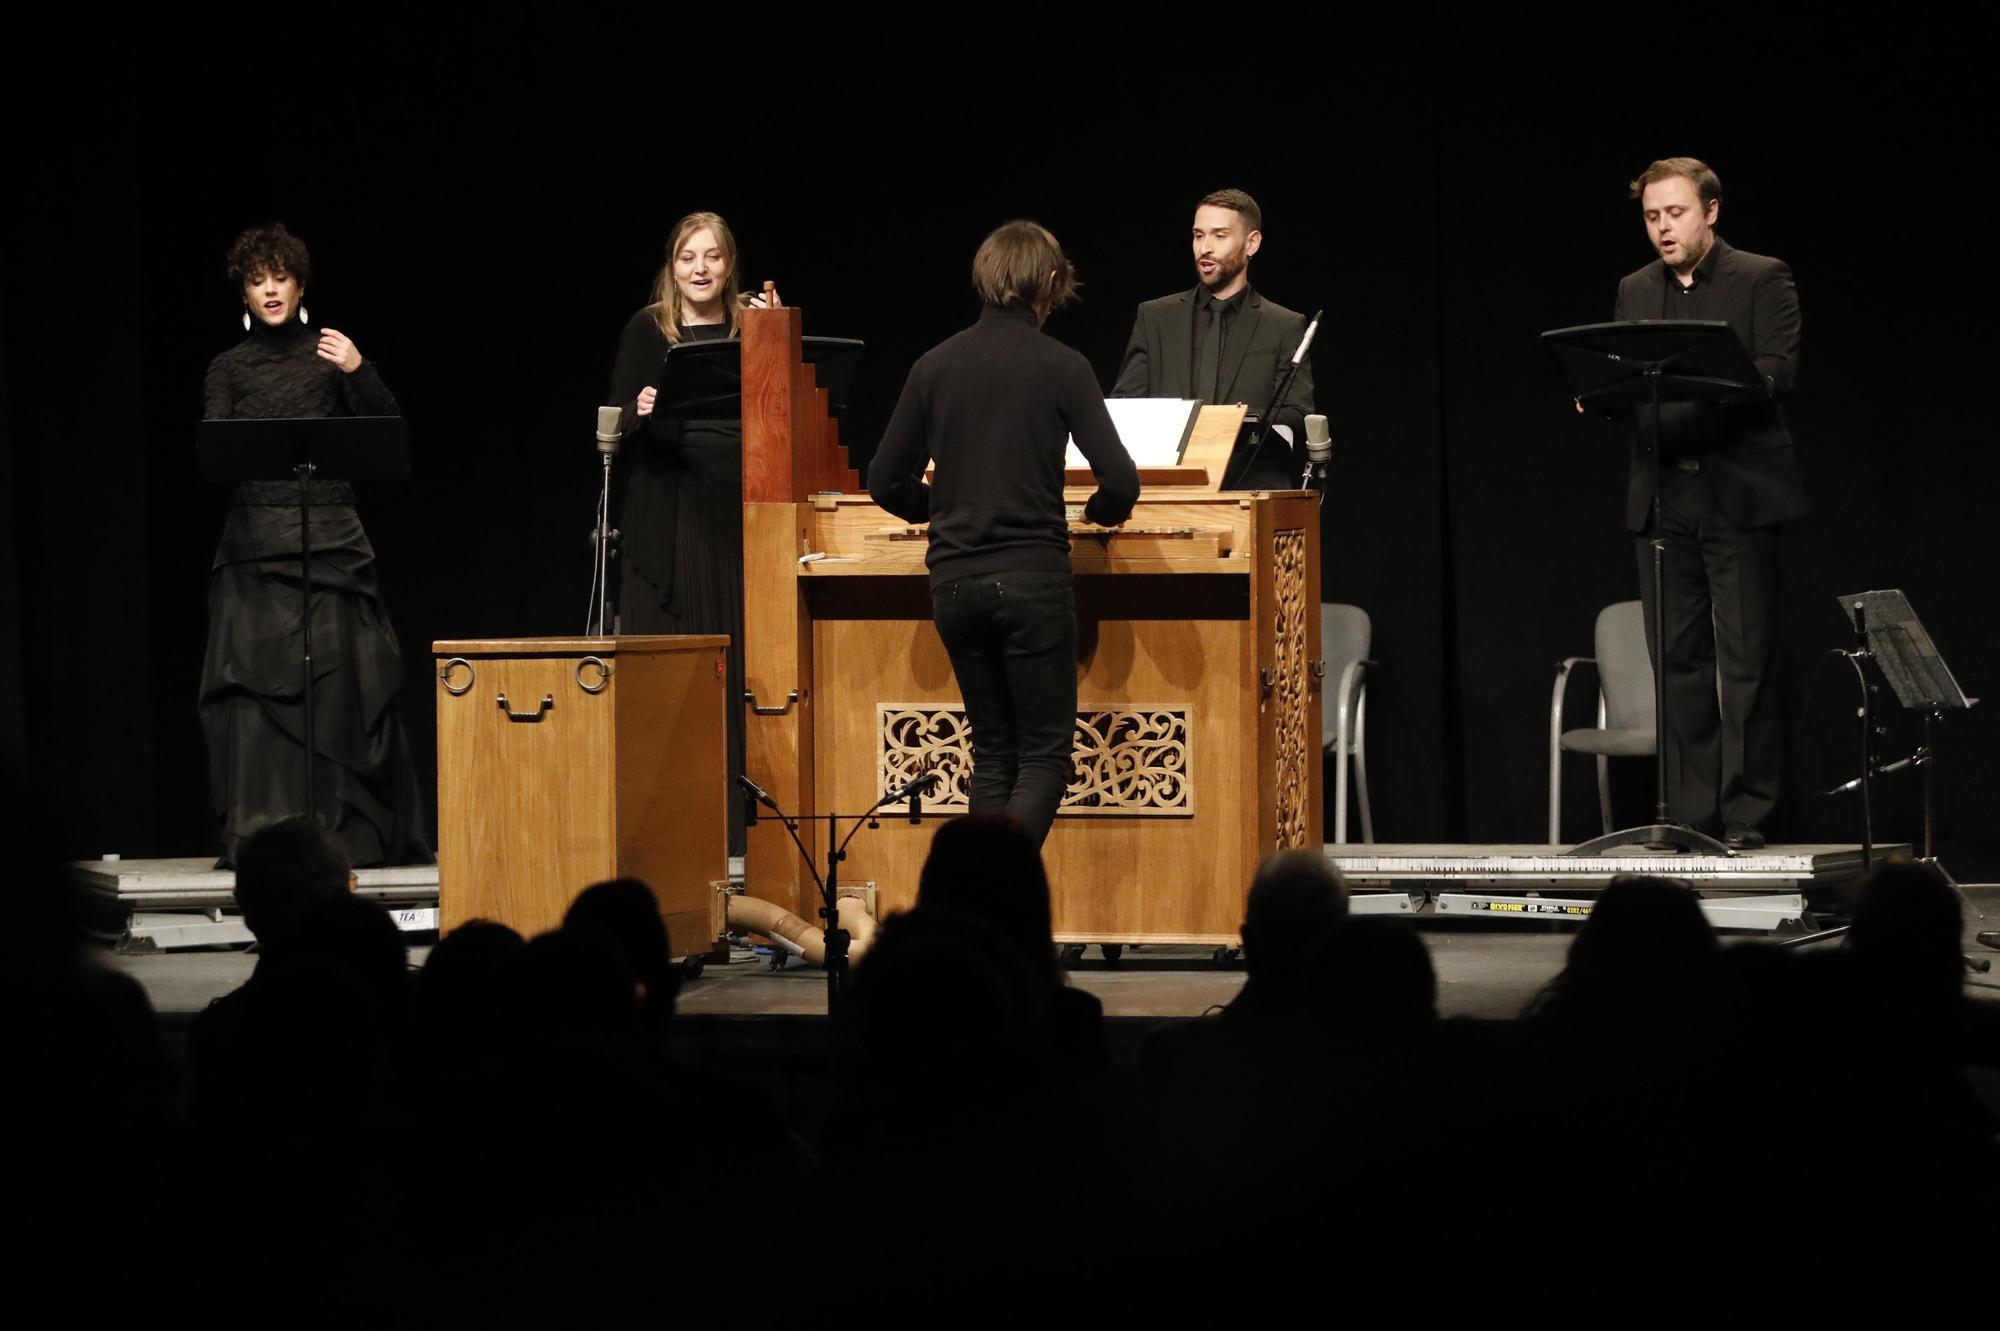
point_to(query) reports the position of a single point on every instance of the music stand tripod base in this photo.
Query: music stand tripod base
(1674, 838)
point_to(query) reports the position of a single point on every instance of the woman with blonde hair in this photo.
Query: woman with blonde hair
(681, 522)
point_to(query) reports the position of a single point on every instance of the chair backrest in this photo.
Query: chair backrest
(1345, 635)
(1624, 669)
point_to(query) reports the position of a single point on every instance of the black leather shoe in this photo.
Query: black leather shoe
(1741, 836)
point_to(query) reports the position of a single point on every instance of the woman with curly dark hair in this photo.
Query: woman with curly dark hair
(682, 516)
(252, 709)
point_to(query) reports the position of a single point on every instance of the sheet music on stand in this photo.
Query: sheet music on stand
(1904, 652)
(1154, 430)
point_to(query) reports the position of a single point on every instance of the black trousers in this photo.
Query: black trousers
(1723, 740)
(1012, 642)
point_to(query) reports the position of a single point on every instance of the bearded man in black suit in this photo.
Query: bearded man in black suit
(1222, 342)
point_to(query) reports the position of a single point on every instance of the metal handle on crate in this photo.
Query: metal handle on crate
(750, 696)
(547, 705)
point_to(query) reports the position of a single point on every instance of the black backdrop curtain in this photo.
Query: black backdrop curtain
(484, 213)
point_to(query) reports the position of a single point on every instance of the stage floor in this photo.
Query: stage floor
(175, 904)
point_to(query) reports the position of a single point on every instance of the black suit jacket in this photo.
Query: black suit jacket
(1260, 345)
(1745, 447)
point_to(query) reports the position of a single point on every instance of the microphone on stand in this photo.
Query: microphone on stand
(1305, 343)
(598, 619)
(757, 796)
(756, 792)
(1277, 401)
(911, 791)
(918, 789)
(608, 436)
(1319, 452)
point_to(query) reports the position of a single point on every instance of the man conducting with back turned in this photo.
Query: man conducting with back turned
(1222, 342)
(993, 407)
(1727, 479)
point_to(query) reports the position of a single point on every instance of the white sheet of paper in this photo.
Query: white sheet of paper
(1151, 428)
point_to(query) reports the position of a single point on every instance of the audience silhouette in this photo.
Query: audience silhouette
(90, 1081)
(524, 1114)
(988, 868)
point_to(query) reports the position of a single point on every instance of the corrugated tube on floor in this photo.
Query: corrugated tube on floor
(798, 936)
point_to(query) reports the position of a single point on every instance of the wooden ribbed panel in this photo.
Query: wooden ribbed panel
(791, 444)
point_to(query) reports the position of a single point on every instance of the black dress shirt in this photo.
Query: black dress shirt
(1225, 311)
(1685, 429)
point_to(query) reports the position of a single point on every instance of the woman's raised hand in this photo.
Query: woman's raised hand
(759, 301)
(646, 396)
(337, 347)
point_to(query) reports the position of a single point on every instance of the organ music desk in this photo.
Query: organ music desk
(1198, 696)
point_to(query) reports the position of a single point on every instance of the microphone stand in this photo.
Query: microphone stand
(1860, 655)
(1277, 401)
(828, 883)
(597, 620)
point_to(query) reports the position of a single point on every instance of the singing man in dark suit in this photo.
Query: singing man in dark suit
(1222, 342)
(1728, 477)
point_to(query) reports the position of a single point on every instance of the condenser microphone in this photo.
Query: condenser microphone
(1305, 343)
(1319, 451)
(608, 419)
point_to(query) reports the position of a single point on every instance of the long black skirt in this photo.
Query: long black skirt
(252, 686)
(703, 591)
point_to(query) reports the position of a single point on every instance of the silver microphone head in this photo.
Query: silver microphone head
(1319, 443)
(608, 419)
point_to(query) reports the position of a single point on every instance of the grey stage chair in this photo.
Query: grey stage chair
(1344, 637)
(1624, 707)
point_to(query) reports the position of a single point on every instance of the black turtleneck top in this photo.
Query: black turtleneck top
(277, 373)
(994, 407)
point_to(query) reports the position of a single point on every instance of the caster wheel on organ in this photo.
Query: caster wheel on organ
(692, 967)
(1070, 954)
(1225, 956)
(1112, 951)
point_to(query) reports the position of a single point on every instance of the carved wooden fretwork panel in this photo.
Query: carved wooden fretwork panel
(1130, 761)
(1296, 747)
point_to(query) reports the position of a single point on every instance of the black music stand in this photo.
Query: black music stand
(1651, 362)
(703, 381)
(1888, 633)
(345, 448)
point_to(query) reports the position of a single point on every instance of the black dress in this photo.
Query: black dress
(251, 699)
(681, 524)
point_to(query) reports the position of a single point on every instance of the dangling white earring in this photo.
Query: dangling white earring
(246, 318)
(302, 315)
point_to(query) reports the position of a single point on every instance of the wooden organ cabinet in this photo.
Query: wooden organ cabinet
(1198, 695)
